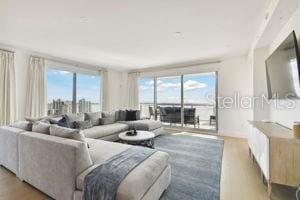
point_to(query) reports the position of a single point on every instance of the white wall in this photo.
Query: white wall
(234, 76)
(261, 108)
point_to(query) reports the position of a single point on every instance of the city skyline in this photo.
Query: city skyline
(60, 86)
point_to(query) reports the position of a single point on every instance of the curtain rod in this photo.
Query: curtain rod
(7, 50)
(175, 66)
(73, 63)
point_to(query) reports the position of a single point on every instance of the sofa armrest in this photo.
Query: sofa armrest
(52, 164)
(9, 156)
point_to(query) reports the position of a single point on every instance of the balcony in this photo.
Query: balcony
(198, 116)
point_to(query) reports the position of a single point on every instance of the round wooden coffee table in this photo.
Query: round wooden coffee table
(143, 138)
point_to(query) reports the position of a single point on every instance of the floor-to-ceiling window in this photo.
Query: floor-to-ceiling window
(187, 101)
(59, 92)
(169, 100)
(88, 93)
(146, 97)
(199, 101)
(72, 92)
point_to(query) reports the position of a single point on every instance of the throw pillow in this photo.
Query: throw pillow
(106, 114)
(121, 115)
(105, 121)
(66, 133)
(71, 118)
(93, 117)
(63, 122)
(138, 115)
(24, 125)
(130, 115)
(41, 127)
(83, 125)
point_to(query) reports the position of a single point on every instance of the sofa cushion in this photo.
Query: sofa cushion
(41, 127)
(24, 125)
(145, 125)
(93, 117)
(104, 130)
(134, 185)
(83, 125)
(74, 117)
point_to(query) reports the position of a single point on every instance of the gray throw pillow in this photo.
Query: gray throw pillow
(121, 115)
(24, 125)
(138, 115)
(66, 133)
(41, 127)
(83, 125)
(108, 115)
(105, 121)
(74, 118)
(93, 117)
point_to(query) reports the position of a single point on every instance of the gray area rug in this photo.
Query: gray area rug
(195, 164)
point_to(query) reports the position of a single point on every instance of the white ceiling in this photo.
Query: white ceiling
(131, 34)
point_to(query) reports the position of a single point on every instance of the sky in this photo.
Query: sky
(196, 89)
(60, 86)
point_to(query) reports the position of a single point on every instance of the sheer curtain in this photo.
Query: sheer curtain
(133, 90)
(36, 88)
(7, 88)
(104, 89)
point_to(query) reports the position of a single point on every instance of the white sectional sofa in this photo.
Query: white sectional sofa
(57, 166)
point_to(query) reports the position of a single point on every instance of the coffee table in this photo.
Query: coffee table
(143, 138)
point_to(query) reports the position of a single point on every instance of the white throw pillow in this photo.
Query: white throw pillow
(41, 127)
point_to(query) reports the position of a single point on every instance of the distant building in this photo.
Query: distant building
(84, 106)
(59, 107)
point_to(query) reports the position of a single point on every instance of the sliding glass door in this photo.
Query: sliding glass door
(169, 100)
(187, 101)
(146, 97)
(199, 101)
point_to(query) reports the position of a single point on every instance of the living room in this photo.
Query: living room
(149, 100)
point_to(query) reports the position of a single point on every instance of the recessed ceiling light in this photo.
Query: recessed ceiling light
(83, 18)
(177, 33)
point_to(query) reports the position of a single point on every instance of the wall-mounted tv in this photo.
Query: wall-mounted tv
(283, 70)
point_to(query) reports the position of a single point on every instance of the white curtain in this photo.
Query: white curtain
(133, 90)
(7, 88)
(36, 88)
(104, 89)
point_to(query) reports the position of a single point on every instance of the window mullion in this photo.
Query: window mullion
(74, 107)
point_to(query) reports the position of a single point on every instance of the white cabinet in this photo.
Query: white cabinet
(277, 153)
(259, 145)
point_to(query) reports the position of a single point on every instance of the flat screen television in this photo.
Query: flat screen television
(283, 70)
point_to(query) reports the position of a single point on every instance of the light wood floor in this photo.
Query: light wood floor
(240, 178)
